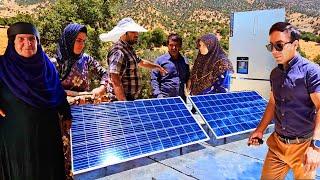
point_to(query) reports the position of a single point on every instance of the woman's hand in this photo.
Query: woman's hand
(97, 93)
(2, 113)
(78, 100)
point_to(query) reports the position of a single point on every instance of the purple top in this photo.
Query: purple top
(295, 111)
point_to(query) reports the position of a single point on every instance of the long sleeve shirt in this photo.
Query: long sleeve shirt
(173, 83)
(78, 78)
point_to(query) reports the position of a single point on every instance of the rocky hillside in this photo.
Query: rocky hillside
(191, 18)
(10, 8)
(173, 14)
(157, 13)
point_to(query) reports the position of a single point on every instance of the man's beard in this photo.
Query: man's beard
(132, 42)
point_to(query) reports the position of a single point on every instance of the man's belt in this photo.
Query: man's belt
(296, 140)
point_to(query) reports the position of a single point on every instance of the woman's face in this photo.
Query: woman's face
(203, 49)
(79, 43)
(25, 45)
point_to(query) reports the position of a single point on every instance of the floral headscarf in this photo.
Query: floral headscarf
(207, 68)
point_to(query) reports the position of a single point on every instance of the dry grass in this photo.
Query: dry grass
(305, 23)
(3, 40)
(312, 49)
(11, 9)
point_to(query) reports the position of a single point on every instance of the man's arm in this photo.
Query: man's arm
(117, 86)
(150, 65)
(312, 155)
(155, 84)
(188, 80)
(188, 87)
(265, 121)
(315, 97)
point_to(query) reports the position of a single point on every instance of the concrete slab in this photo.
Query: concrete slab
(203, 161)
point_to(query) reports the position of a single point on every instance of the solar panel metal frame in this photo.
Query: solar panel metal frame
(142, 155)
(207, 123)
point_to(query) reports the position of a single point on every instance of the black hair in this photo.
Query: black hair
(174, 37)
(84, 29)
(286, 27)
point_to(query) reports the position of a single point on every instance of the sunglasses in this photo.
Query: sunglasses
(277, 46)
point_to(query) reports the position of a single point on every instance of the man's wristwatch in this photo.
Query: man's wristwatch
(316, 143)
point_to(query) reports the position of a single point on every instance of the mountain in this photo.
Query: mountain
(190, 18)
(173, 14)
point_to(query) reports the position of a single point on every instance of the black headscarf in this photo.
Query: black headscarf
(34, 80)
(64, 54)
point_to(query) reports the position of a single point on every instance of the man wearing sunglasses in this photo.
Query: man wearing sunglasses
(294, 106)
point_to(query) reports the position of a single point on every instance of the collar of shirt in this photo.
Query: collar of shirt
(168, 57)
(125, 44)
(291, 63)
(173, 60)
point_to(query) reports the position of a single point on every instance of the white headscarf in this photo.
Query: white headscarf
(124, 25)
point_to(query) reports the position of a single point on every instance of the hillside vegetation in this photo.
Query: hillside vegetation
(191, 19)
(194, 18)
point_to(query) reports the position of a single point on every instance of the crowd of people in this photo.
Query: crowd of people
(36, 93)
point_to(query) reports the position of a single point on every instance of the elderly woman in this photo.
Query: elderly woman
(74, 66)
(31, 101)
(212, 69)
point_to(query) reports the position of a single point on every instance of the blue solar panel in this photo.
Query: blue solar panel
(229, 114)
(111, 133)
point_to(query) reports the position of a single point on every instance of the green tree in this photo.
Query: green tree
(318, 39)
(158, 37)
(224, 32)
(95, 14)
(307, 36)
(144, 40)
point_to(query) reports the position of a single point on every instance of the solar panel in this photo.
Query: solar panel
(111, 133)
(228, 114)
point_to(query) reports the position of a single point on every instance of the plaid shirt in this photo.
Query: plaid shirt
(123, 60)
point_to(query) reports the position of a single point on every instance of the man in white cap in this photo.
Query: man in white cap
(125, 82)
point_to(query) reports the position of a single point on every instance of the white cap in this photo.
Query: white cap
(124, 25)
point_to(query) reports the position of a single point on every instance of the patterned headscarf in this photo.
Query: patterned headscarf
(33, 80)
(207, 68)
(64, 54)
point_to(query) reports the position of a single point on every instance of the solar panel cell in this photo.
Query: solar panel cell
(111, 133)
(228, 114)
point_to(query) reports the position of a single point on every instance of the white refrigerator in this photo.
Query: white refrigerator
(252, 63)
